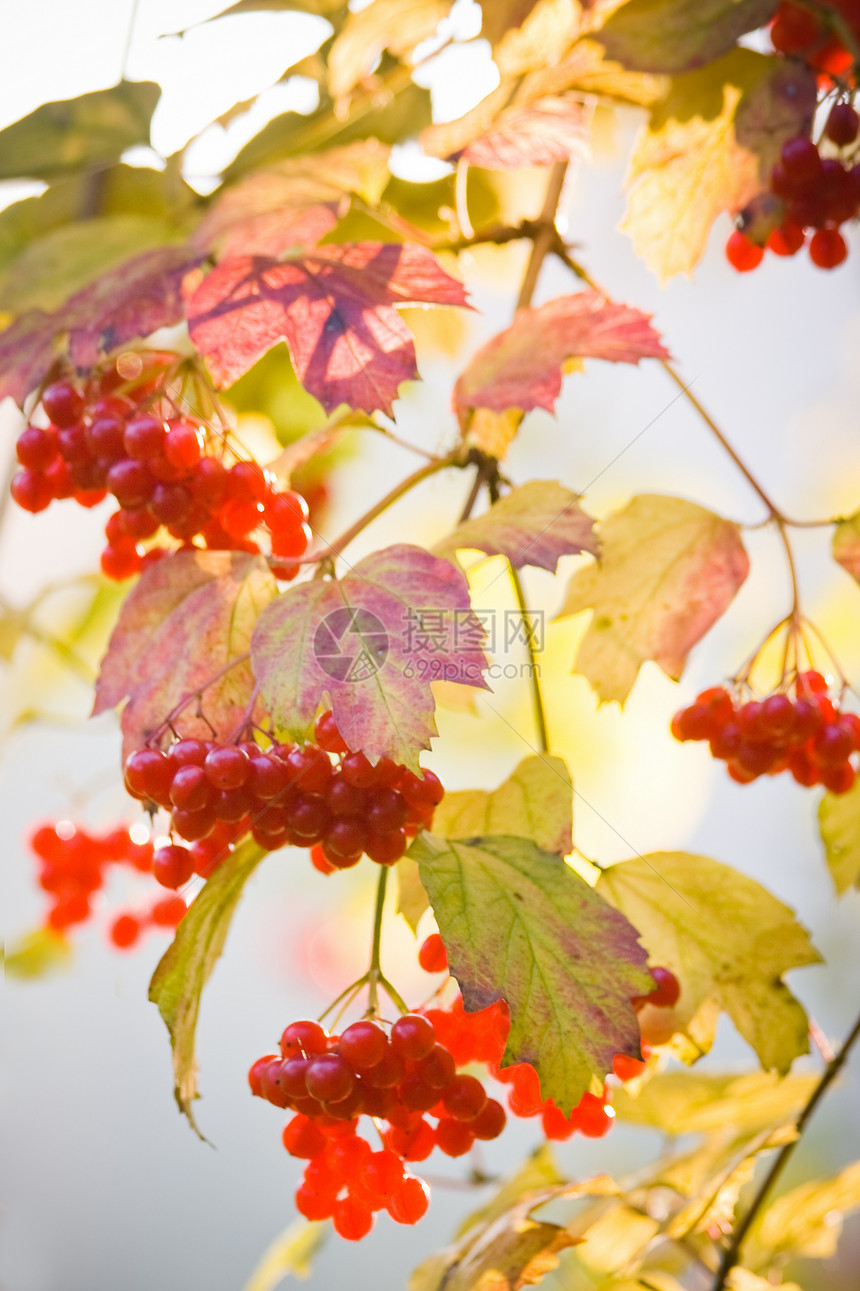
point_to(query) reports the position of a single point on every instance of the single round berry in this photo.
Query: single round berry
(172, 865)
(124, 931)
(304, 1037)
(63, 402)
(828, 248)
(363, 1044)
(227, 767)
(432, 956)
(843, 124)
(413, 1036)
(742, 254)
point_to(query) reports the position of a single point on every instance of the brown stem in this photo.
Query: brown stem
(546, 236)
(732, 1253)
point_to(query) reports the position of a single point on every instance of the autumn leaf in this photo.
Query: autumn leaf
(668, 570)
(521, 367)
(535, 802)
(806, 1221)
(839, 824)
(395, 25)
(295, 203)
(412, 900)
(184, 969)
(679, 35)
(846, 545)
(520, 925)
(535, 524)
(373, 641)
(687, 1102)
(130, 301)
(728, 941)
(535, 35)
(39, 953)
(539, 134)
(709, 147)
(292, 1254)
(334, 308)
(189, 616)
(70, 135)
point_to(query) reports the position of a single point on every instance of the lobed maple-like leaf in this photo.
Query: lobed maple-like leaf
(839, 826)
(728, 941)
(521, 367)
(295, 203)
(710, 146)
(334, 307)
(520, 925)
(184, 969)
(534, 802)
(535, 524)
(131, 300)
(668, 570)
(690, 1102)
(373, 641)
(807, 1220)
(846, 544)
(189, 616)
(539, 134)
(680, 35)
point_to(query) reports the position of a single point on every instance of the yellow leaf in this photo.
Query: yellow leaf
(541, 39)
(709, 147)
(807, 1220)
(396, 25)
(839, 823)
(412, 900)
(684, 1102)
(536, 802)
(725, 937)
(290, 1255)
(668, 570)
(38, 953)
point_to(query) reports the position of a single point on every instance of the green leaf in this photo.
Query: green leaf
(55, 266)
(37, 954)
(412, 900)
(839, 823)
(679, 35)
(536, 802)
(727, 939)
(73, 134)
(687, 1102)
(710, 146)
(668, 570)
(806, 1221)
(846, 545)
(535, 524)
(184, 969)
(290, 1255)
(520, 925)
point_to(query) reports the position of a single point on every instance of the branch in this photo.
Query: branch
(732, 1253)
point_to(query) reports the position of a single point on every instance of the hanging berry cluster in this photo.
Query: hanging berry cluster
(127, 431)
(317, 794)
(801, 731)
(405, 1078)
(73, 867)
(810, 194)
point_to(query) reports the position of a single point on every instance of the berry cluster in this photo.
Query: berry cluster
(397, 1078)
(122, 433)
(72, 868)
(319, 794)
(804, 734)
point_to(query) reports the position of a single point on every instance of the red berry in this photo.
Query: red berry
(387, 848)
(742, 254)
(304, 1037)
(327, 735)
(453, 1137)
(666, 992)
(801, 160)
(843, 124)
(120, 562)
(794, 29)
(412, 1036)
(432, 956)
(625, 1067)
(63, 402)
(130, 482)
(363, 1044)
(227, 767)
(31, 491)
(592, 1118)
(827, 248)
(168, 912)
(409, 1203)
(124, 931)
(786, 239)
(172, 865)
(148, 774)
(302, 1138)
(182, 445)
(465, 1098)
(352, 1219)
(36, 447)
(490, 1121)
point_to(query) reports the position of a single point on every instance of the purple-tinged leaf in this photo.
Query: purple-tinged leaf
(539, 134)
(373, 642)
(334, 308)
(535, 524)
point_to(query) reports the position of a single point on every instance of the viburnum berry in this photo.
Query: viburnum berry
(742, 254)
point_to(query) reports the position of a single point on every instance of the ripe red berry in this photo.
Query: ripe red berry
(227, 766)
(63, 402)
(666, 992)
(37, 447)
(352, 1219)
(742, 254)
(827, 248)
(843, 124)
(172, 865)
(304, 1037)
(31, 490)
(409, 1203)
(786, 239)
(363, 1044)
(432, 956)
(412, 1036)
(124, 931)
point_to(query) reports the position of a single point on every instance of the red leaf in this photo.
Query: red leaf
(130, 301)
(522, 366)
(334, 309)
(188, 617)
(27, 350)
(268, 233)
(540, 134)
(373, 642)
